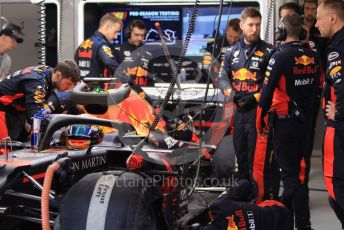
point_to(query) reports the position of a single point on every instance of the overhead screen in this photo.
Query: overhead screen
(169, 18)
(174, 21)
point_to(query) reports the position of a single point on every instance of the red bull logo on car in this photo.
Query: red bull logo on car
(304, 60)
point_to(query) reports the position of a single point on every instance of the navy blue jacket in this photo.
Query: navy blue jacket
(243, 68)
(292, 78)
(134, 63)
(26, 91)
(95, 57)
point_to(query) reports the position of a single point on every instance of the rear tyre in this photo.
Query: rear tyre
(130, 206)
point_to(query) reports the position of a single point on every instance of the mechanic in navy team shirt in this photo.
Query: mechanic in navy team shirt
(95, 56)
(290, 84)
(243, 71)
(28, 91)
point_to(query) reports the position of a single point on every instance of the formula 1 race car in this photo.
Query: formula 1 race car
(102, 185)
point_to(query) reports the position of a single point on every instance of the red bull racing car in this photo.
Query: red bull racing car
(77, 181)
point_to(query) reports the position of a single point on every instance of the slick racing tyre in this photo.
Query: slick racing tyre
(110, 202)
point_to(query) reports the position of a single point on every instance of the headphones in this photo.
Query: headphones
(130, 27)
(282, 32)
(128, 30)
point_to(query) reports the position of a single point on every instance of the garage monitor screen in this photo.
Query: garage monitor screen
(169, 18)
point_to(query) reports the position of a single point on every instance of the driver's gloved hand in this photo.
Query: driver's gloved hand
(247, 102)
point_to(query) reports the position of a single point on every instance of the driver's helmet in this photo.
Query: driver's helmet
(82, 136)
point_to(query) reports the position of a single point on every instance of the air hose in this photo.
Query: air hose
(206, 95)
(175, 73)
(187, 39)
(59, 41)
(48, 178)
(41, 33)
(269, 19)
(49, 174)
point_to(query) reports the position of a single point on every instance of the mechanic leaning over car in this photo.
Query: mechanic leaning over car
(27, 91)
(95, 55)
(290, 85)
(330, 22)
(243, 71)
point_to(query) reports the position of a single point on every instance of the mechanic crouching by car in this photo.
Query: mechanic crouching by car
(243, 71)
(290, 85)
(233, 210)
(28, 91)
